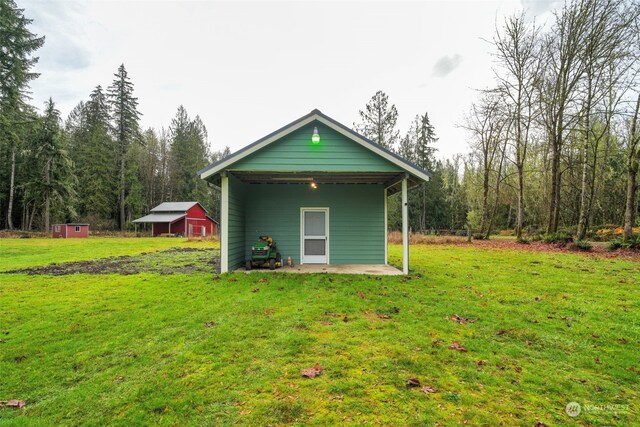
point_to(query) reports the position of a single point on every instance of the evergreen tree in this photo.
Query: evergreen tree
(17, 46)
(378, 121)
(125, 129)
(54, 185)
(189, 153)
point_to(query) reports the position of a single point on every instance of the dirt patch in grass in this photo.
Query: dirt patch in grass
(170, 261)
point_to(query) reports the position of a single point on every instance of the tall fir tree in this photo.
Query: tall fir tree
(54, 185)
(17, 47)
(126, 131)
(189, 153)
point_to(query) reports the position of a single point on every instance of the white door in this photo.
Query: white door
(314, 235)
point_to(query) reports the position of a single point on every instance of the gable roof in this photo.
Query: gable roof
(175, 207)
(392, 157)
(171, 212)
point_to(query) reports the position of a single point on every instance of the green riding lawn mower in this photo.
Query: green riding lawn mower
(264, 253)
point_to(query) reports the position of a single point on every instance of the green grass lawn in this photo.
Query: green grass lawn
(546, 329)
(23, 253)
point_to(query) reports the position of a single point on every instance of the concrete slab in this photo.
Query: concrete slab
(374, 269)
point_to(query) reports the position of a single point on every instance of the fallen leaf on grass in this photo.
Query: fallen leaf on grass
(326, 323)
(500, 367)
(538, 299)
(413, 382)
(210, 324)
(540, 424)
(481, 362)
(622, 341)
(360, 295)
(263, 280)
(384, 316)
(255, 290)
(461, 320)
(312, 372)
(428, 389)
(456, 346)
(501, 332)
(13, 403)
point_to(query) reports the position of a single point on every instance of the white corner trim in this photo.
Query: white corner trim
(386, 228)
(232, 159)
(224, 231)
(405, 227)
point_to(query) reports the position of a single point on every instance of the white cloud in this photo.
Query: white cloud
(446, 65)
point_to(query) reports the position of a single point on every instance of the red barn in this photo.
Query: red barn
(69, 231)
(187, 219)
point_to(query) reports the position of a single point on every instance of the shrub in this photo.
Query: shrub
(583, 245)
(558, 238)
(507, 232)
(615, 244)
(523, 241)
(618, 243)
(634, 242)
(535, 237)
(479, 236)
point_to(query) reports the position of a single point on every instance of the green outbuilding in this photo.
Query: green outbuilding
(318, 188)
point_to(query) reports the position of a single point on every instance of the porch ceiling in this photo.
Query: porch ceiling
(392, 180)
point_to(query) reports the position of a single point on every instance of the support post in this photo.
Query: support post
(224, 224)
(386, 228)
(405, 227)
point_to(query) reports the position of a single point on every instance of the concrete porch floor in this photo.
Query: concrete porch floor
(375, 269)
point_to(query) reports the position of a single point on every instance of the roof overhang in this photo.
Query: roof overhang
(161, 217)
(391, 180)
(416, 172)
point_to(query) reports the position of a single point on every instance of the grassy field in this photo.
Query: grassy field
(544, 329)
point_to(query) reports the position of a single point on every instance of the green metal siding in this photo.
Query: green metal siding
(236, 224)
(356, 219)
(295, 152)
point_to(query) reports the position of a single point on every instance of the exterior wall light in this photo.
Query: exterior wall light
(314, 185)
(316, 136)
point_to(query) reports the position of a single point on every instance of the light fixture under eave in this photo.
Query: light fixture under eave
(315, 138)
(314, 185)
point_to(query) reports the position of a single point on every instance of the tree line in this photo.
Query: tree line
(97, 165)
(554, 143)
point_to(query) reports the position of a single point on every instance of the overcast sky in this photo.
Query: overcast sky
(247, 68)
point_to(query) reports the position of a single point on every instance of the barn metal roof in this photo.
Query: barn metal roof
(161, 217)
(174, 206)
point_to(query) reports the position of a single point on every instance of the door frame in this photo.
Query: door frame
(326, 230)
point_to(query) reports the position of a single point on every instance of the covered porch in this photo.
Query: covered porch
(275, 204)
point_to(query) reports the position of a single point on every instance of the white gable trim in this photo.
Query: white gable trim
(382, 153)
